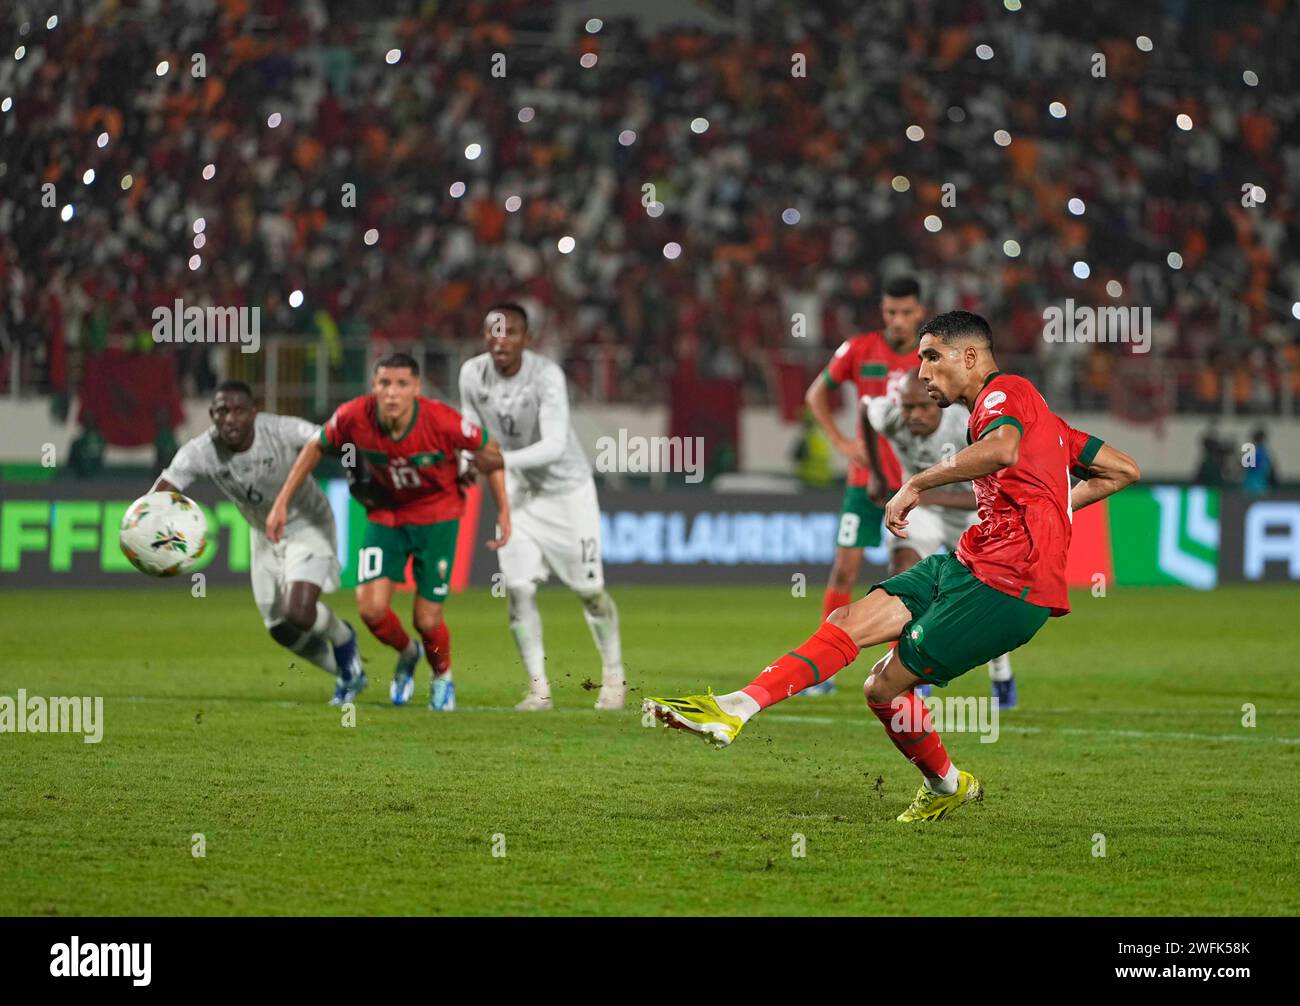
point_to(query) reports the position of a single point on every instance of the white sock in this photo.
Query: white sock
(738, 704)
(330, 626)
(946, 785)
(526, 627)
(1000, 668)
(317, 649)
(602, 619)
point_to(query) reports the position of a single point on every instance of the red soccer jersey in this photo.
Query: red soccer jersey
(1022, 541)
(872, 364)
(418, 467)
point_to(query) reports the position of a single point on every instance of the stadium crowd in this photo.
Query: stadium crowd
(719, 122)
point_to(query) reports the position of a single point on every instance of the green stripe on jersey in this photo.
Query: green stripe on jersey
(1089, 453)
(1002, 421)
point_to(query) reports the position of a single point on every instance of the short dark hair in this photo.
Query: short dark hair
(903, 286)
(233, 386)
(509, 305)
(399, 360)
(958, 325)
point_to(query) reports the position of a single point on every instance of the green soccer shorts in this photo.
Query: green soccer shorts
(860, 520)
(385, 550)
(958, 622)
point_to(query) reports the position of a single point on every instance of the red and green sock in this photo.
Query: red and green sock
(827, 652)
(907, 723)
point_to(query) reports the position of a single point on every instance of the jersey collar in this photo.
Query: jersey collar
(415, 416)
(996, 373)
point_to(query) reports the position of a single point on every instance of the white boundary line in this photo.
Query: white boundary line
(782, 717)
(1008, 728)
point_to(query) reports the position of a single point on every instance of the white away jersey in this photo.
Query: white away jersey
(916, 454)
(528, 415)
(252, 479)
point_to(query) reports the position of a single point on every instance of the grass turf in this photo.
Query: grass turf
(1130, 727)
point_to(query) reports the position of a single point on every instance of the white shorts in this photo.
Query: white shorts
(306, 553)
(555, 533)
(930, 528)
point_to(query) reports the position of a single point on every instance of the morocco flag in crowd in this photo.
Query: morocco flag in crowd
(128, 397)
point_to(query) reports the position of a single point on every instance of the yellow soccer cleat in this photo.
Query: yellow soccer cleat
(930, 806)
(700, 714)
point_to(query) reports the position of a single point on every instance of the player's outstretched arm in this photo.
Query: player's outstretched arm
(1110, 471)
(488, 459)
(308, 458)
(998, 449)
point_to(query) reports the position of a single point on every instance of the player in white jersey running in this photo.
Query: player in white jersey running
(522, 400)
(922, 435)
(247, 454)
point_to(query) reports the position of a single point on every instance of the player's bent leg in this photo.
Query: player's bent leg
(903, 714)
(305, 610)
(432, 627)
(601, 613)
(526, 628)
(374, 602)
(870, 620)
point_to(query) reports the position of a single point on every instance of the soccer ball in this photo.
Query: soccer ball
(163, 534)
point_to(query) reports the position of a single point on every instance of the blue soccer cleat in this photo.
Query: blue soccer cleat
(442, 696)
(1004, 693)
(348, 656)
(821, 688)
(402, 686)
(347, 691)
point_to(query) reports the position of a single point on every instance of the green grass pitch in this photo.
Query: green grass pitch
(1130, 727)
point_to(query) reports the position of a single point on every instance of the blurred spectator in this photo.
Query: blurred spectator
(1212, 469)
(362, 145)
(1261, 476)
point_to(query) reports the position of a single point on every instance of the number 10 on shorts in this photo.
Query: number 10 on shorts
(370, 562)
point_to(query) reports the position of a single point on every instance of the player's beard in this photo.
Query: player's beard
(942, 400)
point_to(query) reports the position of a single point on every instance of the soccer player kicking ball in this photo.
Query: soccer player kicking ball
(870, 361)
(922, 435)
(248, 454)
(524, 404)
(952, 612)
(403, 449)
